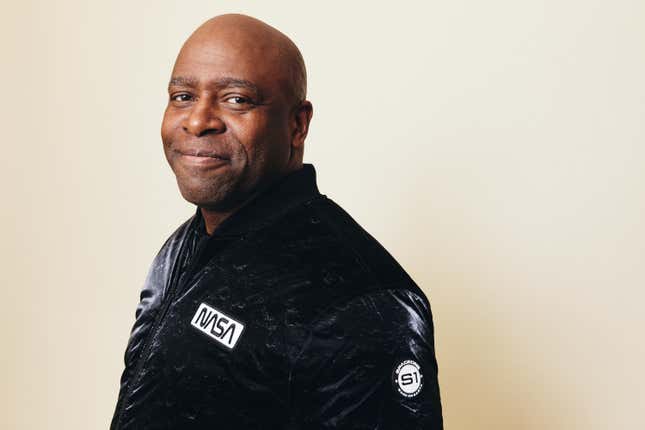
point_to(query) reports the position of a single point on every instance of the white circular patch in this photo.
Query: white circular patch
(408, 378)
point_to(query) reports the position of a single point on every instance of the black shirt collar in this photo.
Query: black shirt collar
(291, 190)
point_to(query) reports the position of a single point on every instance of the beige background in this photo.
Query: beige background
(496, 148)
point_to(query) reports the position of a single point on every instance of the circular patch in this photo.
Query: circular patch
(408, 378)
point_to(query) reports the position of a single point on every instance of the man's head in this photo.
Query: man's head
(237, 117)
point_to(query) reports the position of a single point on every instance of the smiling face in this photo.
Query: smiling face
(234, 120)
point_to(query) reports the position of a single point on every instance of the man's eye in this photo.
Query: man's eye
(183, 97)
(237, 100)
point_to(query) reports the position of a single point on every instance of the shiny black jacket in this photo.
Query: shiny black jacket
(289, 316)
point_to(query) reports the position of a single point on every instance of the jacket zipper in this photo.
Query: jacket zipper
(166, 305)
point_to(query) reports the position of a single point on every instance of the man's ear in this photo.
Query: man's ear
(301, 117)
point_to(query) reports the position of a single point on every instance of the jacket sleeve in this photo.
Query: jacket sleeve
(150, 298)
(369, 364)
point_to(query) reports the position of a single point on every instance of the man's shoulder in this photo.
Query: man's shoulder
(330, 235)
(389, 308)
(319, 245)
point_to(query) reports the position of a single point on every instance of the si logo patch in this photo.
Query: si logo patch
(407, 378)
(217, 325)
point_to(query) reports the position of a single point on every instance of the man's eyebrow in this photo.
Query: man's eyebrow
(226, 82)
(183, 81)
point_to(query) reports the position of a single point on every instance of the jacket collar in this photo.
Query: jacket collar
(287, 192)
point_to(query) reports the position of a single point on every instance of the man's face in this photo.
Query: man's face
(226, 128)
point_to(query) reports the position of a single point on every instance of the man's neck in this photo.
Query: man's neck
(214, 217)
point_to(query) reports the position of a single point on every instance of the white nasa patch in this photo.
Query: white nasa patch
(408, 379)
(217, 325)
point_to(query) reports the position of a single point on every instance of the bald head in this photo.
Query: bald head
(258, 43)
(237, 117)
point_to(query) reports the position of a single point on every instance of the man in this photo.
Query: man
(270, 308)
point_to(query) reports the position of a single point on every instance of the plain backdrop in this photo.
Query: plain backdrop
(496, 149)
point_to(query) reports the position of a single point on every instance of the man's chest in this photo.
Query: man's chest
(215, 345)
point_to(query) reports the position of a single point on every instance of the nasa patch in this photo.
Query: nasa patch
(407, 378)
(217, 325)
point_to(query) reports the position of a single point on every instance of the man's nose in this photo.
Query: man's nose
(204, 118)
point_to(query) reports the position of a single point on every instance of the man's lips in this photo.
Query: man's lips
(203, 159)
(202, 153)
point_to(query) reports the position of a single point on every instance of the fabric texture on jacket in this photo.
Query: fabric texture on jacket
(289, 316)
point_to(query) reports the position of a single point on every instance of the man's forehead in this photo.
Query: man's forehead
(217, 60)
(243, 49)
(213, 51)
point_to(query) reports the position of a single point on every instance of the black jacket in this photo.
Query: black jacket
(289, 316)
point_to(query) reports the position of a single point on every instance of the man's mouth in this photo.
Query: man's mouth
(204, 154)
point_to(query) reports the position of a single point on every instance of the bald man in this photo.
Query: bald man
(270, 308)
